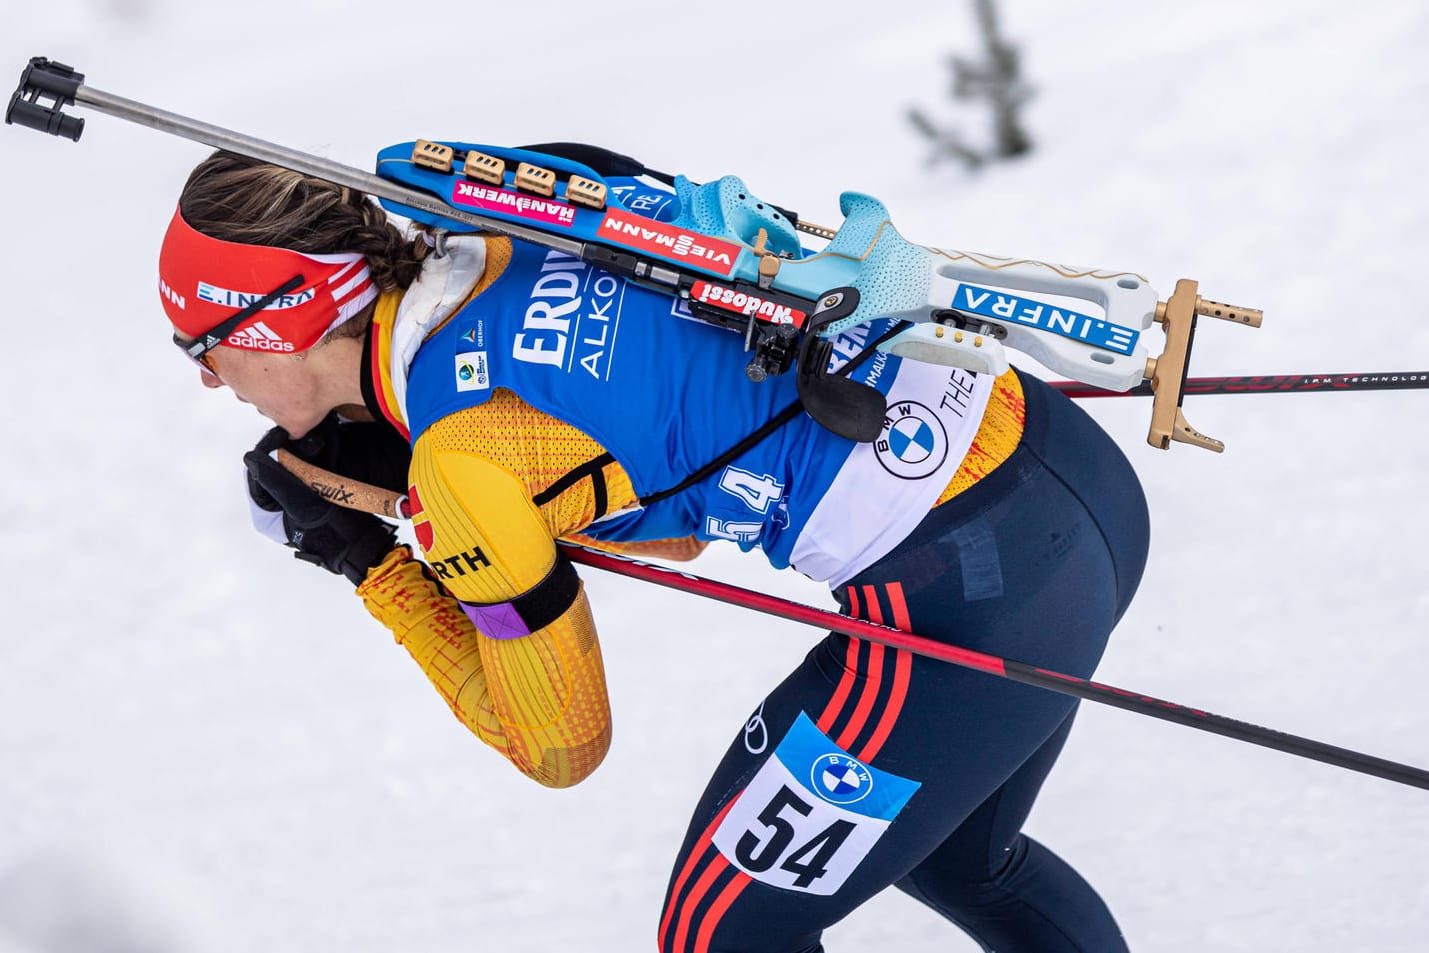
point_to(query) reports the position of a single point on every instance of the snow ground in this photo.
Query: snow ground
(203, 746)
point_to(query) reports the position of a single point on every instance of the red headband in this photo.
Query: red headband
(204, 280)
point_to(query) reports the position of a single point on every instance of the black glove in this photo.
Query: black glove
(374, 453)
(340, 540)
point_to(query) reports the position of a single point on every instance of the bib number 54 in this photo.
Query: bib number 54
(759, 852)
(810, 815)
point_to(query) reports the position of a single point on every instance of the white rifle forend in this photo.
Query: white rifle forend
(968, 308)
(979, 306)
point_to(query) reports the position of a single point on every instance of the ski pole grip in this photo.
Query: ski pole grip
(353, 494)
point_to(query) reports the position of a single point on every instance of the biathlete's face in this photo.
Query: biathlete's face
(282, 387)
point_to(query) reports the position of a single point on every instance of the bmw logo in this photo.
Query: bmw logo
(839, 779)
(914, 443)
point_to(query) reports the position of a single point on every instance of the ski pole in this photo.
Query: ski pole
(356, 495)
(1003, 667)
(1268, 384)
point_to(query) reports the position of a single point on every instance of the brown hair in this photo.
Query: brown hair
(237, 199)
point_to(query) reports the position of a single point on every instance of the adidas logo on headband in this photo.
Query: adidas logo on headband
(258, 337)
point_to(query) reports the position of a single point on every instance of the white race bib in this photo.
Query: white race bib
(811, 814)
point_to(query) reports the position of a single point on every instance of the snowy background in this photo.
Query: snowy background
(206, 746)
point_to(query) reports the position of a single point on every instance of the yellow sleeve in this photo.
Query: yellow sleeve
(401, 594)
(535, 640)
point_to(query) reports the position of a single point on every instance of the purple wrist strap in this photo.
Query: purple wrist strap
(500, 621)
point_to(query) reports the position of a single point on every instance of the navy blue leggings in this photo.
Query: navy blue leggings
(869, 767)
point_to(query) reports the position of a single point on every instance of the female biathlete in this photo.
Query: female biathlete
(544, 399)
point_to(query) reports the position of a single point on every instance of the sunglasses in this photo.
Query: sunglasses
(197, 348)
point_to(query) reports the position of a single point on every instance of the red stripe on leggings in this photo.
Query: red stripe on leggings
(697, 893)
(900, 606)
(869, 695)
(902, 669)
(836, 704)
(875, 611)
(722, 903)
(701, 845)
